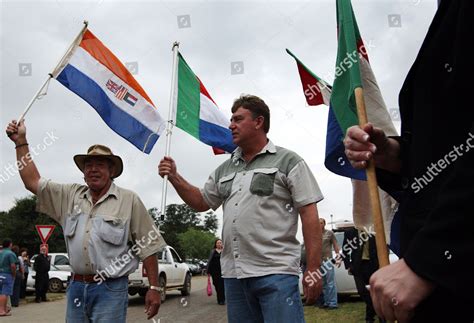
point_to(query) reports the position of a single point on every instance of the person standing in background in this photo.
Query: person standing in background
(41, 266)
(214, 269)
(26, 270)
(18, 278)
(361, 261)
(7, 273)
(329, 298)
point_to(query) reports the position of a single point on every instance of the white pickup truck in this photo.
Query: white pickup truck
(174, 274)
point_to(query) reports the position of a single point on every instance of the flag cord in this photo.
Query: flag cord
(45, 92)
(169, 127)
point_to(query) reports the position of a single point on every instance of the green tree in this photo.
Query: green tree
(179, 219)
(210, 222)
(19, 223)
(196, 243)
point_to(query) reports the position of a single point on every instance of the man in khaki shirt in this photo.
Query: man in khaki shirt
(262, 188)
(107, 230)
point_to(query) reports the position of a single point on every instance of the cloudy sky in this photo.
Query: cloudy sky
(214, 36)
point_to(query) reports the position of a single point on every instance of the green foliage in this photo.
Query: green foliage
(19, 222)
(196, 243)
(179, 219)
(350, 310)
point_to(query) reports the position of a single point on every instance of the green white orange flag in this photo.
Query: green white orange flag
(197, 114)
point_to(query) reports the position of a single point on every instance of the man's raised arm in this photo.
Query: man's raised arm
(28, 172)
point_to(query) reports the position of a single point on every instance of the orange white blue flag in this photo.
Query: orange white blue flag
(94, 73)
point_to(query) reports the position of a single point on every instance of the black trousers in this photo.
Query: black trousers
(361, 278)
(23, 286)
(41, 286)
(218, 283)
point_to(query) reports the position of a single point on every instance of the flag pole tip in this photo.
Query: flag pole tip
(86, 22)
(175, 44)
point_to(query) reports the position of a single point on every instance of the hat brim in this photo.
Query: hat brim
(116, 161)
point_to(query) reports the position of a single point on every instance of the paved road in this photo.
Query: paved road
(197, 307)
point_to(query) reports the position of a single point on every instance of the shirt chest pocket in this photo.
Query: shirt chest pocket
(225, 185)
(70, 226)
(112, 230)
(263, 181)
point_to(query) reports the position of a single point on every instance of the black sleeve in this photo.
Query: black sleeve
(440, 251)
(209, 261)
(346, 249)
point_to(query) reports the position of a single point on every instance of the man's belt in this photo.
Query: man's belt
(91, 278)
(86, 278)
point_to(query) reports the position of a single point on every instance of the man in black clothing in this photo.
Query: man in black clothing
(360, 259)
(41, 267)
(431, 165)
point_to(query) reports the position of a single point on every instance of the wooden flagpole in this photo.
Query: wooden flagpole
(382, 250)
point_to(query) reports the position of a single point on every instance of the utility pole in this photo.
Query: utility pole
(332, 223)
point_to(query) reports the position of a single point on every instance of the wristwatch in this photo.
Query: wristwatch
(158, 289)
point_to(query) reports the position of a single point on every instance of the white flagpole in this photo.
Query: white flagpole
(52, 74)
(169, 126)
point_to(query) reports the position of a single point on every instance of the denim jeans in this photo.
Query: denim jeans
(329, 285)
(94, 302)
(269, 299)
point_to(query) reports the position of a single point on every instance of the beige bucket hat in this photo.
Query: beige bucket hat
(100, 151)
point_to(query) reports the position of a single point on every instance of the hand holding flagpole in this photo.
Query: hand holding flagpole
(382, 250)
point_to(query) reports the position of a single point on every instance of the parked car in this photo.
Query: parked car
(194, 268)
(174, 274)
(345, 283)
(58, 279)
(60, 260)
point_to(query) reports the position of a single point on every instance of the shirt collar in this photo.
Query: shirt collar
(269, 147)
(113, 191)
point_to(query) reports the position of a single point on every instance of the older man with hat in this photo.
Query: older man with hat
(107, 231)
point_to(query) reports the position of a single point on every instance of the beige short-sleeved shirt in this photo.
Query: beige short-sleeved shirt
(261, 201)
(108, 238)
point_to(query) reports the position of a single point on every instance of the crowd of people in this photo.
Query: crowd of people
(14, 270)
(262, 189)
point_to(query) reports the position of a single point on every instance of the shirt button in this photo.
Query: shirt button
(235, 239)
(233, 221)
(236, 256)
(405, 183)
(236, 204)
(85, 248)
(243, 174)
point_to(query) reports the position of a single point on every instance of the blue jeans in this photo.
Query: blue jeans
(269, 299)
(329, 284)
(94, 302)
